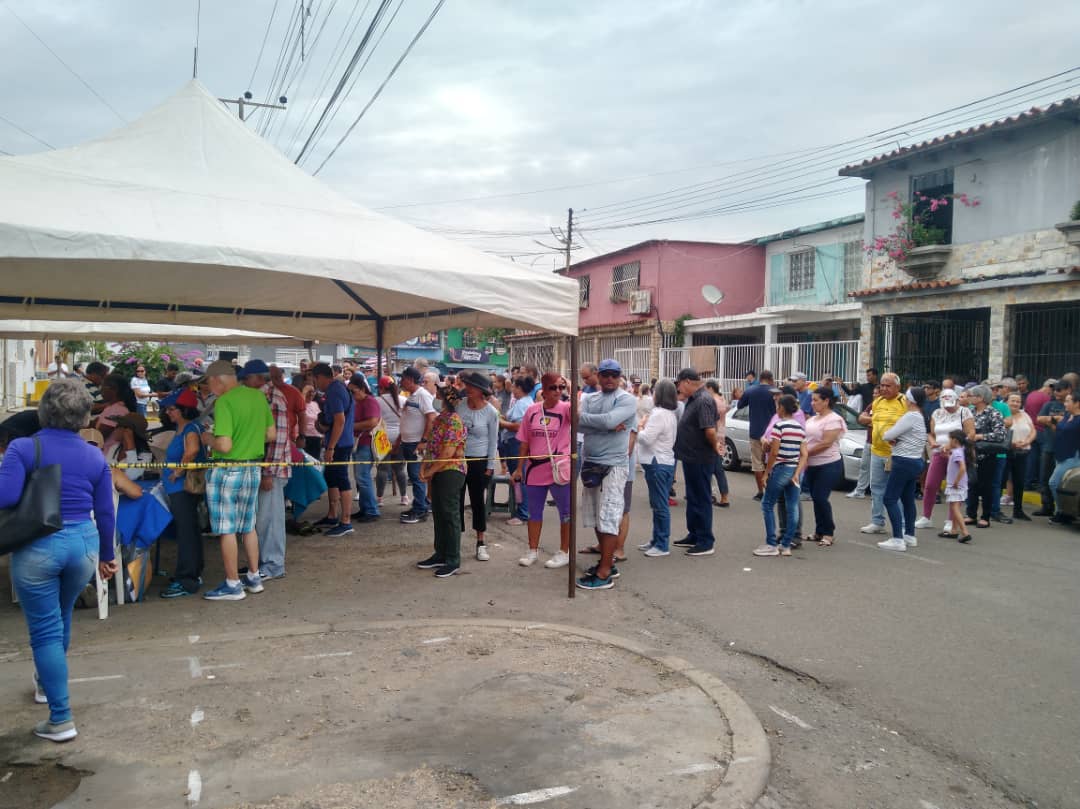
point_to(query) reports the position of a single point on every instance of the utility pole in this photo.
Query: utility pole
(569, 234)
(245, 101)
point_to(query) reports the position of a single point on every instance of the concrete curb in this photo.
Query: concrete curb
(747, 773)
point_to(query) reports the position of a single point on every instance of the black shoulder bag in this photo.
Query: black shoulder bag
(38, 512)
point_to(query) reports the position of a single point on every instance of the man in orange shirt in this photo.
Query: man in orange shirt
(294, 401)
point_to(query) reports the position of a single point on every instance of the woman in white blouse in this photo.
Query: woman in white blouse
(656, 453)
(1023, 435)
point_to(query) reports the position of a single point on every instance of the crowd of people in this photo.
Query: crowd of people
(443, 441)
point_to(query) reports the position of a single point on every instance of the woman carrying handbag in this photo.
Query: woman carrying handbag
(50, 572)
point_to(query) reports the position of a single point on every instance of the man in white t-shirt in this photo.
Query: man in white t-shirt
(57, 369)
(416, 418)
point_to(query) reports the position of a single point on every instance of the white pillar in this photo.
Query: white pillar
(770, 341)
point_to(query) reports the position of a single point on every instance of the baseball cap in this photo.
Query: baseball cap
(798, 376)
(609, 365)
(413, 374)
(257, 367)
(386, 381)
(219, 368)
(187, 398)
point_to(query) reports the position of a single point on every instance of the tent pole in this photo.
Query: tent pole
(379, 347)
(574, 463)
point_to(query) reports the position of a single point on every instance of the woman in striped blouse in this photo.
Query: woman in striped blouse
(787, 460)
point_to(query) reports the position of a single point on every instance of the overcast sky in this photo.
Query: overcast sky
(616, 103)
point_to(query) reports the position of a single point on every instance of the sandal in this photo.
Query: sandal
(982, 524)
(948, 535)
(969, 521)
(592, 550)
(825, 542)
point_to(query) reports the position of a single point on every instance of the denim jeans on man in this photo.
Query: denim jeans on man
(365, 484)
(49, 574)
(820, 482)
(420, 504)
(509, 449)
(699, 508)
(863, 483)
(270, 528)
(780, 484)
(1059, 474)
(659, 476)
(899, 495)
(879, 479)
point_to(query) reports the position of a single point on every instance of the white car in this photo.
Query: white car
(852, 443)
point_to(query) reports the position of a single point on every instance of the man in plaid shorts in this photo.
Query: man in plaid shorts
(243, 424)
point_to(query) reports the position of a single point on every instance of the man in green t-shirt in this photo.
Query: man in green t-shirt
(243, 424)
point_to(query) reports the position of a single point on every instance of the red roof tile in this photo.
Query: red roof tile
(1026, 118)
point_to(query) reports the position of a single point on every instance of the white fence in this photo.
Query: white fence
(729, 364)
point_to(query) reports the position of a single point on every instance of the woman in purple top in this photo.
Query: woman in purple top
(50, 572)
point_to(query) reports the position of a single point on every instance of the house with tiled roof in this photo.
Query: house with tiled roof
(1000, 294)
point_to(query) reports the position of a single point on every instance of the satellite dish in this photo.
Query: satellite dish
(712, 296)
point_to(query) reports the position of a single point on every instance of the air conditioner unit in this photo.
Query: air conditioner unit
(640, 302)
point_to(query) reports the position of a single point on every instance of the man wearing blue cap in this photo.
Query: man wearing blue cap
(606, 420)
(270, 518)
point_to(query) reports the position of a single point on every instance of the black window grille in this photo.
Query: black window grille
(1045, 341)
(583, 292)
(932, 346)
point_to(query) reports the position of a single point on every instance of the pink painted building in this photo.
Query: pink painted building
(631, 300)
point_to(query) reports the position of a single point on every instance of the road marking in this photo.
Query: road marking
(534, 626)
(436, 640)
(6, 778)
(790, 717)
(192, 638)
(536, 796)
(197, 716)
(194, 787)
(327, 654)
(905, 554)
(193, 667)
(98, 679)
(693, 769)
(927, 805)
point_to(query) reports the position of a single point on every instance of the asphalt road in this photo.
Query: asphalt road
(937, 679)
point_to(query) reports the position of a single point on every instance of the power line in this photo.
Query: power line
(355, 79)
(383, 5)
(14, 125)
(382, 86)
(262, 47)
(67, 67)
(331, 66)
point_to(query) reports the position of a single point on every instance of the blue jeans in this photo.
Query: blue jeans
(365, 485)
(820, 482)
(999, 483)
(420, 504)
(900, 495)
(699, 508)
(49, 574)
(719, 474)
(879, 479)
(1059, 474)
(270, 528)
(509, 450)
(659, 476)
(779, 485)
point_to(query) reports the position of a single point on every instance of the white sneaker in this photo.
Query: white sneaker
(924, 522)
(856, 495)
(39, 693)
(1006, 500)
(528, 559)
(482, 554)
(644, 546)
(873, 528)
(910, 541)
(380, 501)
(893, 545)
(766, 550)
(560, 559)
(404, 499)
(655, 553)
(947, 527)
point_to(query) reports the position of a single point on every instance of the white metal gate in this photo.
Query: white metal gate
(634, 362)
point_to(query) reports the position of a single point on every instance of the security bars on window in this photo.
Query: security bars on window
(801, 271)
(624, 280)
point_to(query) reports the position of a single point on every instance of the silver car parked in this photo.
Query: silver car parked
(852, 443)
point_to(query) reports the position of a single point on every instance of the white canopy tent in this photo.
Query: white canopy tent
(186, 217)
(156, 332)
